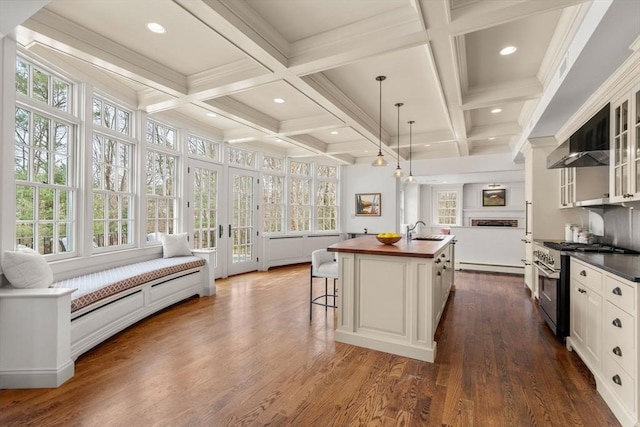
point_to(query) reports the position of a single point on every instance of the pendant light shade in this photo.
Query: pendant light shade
(398, 173)
(410, 179)
(380, 161)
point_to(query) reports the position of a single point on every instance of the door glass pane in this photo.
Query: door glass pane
(242, 219)
(205, 211)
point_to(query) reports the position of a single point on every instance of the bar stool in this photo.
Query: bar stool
(323, 265)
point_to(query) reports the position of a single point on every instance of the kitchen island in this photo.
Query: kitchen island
(391, 297)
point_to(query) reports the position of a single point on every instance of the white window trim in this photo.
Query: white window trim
(457, 188)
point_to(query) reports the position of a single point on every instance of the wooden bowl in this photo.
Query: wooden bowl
(388, 240)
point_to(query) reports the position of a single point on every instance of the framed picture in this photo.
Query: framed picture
(368, 204)
(494, 197)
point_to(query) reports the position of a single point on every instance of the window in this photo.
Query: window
(273, 179)
(161, 181)
(447, 209)
(44, 147)
(243, 158)
(327, 198)
(204, 148)
(112, 171)
(299, 196)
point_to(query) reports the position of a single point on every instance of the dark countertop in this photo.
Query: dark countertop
(371, 246)
(625, 266)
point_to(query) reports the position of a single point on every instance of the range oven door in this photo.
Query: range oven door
(548, 286)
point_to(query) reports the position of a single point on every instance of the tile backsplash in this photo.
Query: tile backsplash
(622, 227)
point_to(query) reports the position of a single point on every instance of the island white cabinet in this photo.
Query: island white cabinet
(392, 297)
(605, 334)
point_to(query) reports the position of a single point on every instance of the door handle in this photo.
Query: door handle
(220, 231)
(229, 230)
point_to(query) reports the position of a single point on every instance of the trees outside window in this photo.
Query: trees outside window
(44, 147)
(112, 167)
(161, 180)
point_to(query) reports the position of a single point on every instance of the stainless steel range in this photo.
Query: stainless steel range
(553, 287)
(551, 260)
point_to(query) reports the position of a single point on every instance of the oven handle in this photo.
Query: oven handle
(550, 274)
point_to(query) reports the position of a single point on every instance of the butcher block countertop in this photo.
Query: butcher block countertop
(371, 246)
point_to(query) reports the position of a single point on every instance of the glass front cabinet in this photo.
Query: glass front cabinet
(625, 149)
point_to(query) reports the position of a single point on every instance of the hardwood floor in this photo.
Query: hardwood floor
(249, 356)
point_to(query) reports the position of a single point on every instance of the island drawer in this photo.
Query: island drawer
(621, 294)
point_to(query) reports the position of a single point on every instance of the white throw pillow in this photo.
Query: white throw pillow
(175, 245)
(26, 268)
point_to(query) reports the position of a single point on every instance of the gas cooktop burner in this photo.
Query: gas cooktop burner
(588, 247)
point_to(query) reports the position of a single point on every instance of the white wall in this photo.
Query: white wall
(473, 209)
(368, 179)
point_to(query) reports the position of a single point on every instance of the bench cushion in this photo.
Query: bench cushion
(103, 284)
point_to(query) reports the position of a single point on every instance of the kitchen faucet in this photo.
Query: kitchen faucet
(410, 228)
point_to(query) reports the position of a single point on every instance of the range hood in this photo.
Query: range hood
(588, 146)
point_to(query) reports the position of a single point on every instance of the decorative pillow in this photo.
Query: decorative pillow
(26, 268)
(175, 245)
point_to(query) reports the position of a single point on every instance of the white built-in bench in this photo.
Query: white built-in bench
(44, 330)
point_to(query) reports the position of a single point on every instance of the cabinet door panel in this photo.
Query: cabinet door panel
(593, 326)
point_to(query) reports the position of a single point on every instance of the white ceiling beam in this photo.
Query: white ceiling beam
(309, 124)
(244, 114)
(69, 38)
(494, 131)
(481, 15)
(513, 91)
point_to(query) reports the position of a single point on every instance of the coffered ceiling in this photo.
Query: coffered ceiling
(234, 57)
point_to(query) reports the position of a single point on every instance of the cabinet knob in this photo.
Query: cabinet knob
(617, 291)
(583, 273)
(437, 261)
(616, 350)
(582, 291)
(439, 273)
(616, 379)
(617, 323)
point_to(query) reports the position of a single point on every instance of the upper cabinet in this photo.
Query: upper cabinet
(584, 186)
(625, 148)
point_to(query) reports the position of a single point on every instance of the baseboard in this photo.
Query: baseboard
(37, 378)
(496, 268)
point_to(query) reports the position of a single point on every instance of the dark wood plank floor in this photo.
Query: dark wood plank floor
(249, 356)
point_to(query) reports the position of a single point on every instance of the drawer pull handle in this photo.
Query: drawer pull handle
(617, 323)
(616, 379)
(582, 291)
(617, 291)
(617, 351)
(583, 273)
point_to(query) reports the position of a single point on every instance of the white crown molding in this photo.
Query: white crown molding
(460, 51)
(244, 114)
(511, 91)
(227, 75)
(253, 20)
(309, 124)
(497, 130)
(69, 38)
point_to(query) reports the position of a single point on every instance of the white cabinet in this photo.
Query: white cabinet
(625, 148)
(586, 313)
(605, 333)
(567, 187)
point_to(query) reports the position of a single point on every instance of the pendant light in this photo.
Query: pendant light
(380, 161)
(398, 173)
(410, 179)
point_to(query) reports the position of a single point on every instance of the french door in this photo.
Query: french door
(242, 230)
(206, 222)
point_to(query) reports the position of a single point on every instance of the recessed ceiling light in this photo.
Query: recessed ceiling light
(496, 110)
(156, 28)
(212, 115)
(334, 132)
(278, 100)
(278, 140)
(492, 138)
(508, 50)
(427, 145)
